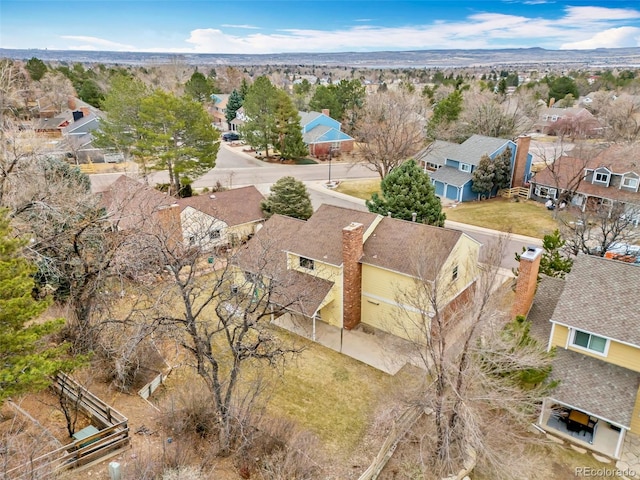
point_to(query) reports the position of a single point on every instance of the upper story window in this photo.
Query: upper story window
(591, 342)
(629, 182)
(307, 263)
(432, 166)
(601, 177)
(465, 167)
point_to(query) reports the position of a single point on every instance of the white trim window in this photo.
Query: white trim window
(307, 263)
(629, 182)
(545, 192)
(465, 167)
(589, 341)
(601, 177)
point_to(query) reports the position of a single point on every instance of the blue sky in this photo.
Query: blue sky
(244, 26)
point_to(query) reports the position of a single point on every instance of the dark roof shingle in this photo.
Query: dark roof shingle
(234, 207)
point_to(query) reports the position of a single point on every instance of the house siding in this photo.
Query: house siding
(331, 313)
(635, 419)
(559, 336)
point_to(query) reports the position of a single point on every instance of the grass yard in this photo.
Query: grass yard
(359, 188)
(523, 218)
(334, 396)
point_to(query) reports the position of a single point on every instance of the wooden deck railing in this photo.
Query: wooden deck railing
(520, 192)
(113, 436)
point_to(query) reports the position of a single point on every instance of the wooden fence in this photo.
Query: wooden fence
(519, 192)
(111, 437)
(146, 391)
(404, 423)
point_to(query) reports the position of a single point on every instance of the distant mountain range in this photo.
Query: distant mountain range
(599, 58)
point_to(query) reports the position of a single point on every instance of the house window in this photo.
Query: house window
(465, 167)
(432, 166)
(214, 235)
(629, 182)
(601, 177)
(589, 341)
(454, 274)
(545, 192)
(307, 263)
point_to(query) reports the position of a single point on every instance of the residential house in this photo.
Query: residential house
(224, 218)
(590, 319)
(219, 111)
(450, 165)
(612, 176)
(71, 133)
(133, 205)
(347, 267)
(572, 121)
(323, 135)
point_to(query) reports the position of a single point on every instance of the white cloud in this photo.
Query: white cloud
(248, 27)
(611, 38)
(95, 43)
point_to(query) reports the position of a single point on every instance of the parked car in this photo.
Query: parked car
(230, 137)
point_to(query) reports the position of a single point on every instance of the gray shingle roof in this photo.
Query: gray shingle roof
(472, 149)
(437, 152)
(397, 244)
(451, 176)
(594, 386)
(307, 117)
(601, 297)
(544, 303)
(316, 132)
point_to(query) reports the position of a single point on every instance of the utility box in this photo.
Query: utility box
(114, 471)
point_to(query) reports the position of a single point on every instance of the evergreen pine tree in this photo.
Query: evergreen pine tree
(233, 104)
(27, 361)
(405, 191)
(288, 129)
(288, 197)
(483, 176)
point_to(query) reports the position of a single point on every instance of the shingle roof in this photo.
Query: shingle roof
(266, 254)
(320, 238)
(130, 203)
(544, 303)
(437, 152)
(307, 117)
(397, 244)
(323, 134)
(472, 149)
(234, 207)
(597, 387)
(451, 176)
(601, 297)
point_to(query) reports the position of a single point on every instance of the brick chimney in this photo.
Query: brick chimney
(352, 250)
(71, 103)
(527, 281)
(169, 224)
(325, 111)
(520, 164)
(85, 111)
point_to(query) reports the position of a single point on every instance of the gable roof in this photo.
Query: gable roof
(320, 238)
(308, 117)
(436, 152)
(396, 244)
(234, 207)
(323, 134)
(129, 202)
(265, 254)
(601, 297)
(472, 149)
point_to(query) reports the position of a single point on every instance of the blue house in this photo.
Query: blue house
(323, 135)
(450, 165)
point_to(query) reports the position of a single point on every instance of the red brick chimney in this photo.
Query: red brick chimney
(169, 224)
(520, 164)
(527, 281)
(325, 111)
(71, 102)
(85, 111)
(352, 250)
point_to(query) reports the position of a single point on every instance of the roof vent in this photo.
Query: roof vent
(212, 197)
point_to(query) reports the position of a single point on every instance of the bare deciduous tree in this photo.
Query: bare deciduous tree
(486, 113)
(474, 369)
(391, 129)
(599, 227)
